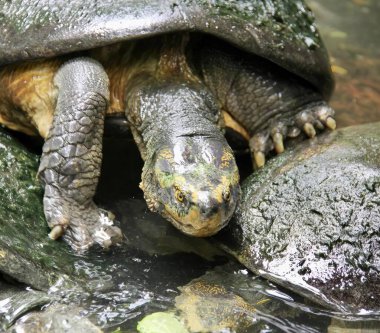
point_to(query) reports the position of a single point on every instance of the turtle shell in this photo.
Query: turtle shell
(282, 31)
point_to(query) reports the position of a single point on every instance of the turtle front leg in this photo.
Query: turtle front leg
(72, 154)
(270, 102)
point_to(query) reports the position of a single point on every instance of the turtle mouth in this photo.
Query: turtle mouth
(199, 227)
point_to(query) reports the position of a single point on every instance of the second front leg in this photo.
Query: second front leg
(271, 103)
(72, 155)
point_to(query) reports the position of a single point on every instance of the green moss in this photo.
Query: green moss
(27, 252)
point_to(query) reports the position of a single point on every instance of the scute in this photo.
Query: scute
(282, 31)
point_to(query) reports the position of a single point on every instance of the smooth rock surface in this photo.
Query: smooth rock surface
(310, 220)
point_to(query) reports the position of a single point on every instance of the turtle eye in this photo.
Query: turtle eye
(179, 195)
(227, 195)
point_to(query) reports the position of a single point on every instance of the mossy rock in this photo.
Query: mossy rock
(26, 252)
(310, 220)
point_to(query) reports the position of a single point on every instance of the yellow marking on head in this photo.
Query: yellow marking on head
(217, 192)
(166, 154)
(191, 222)
(179, 181)
(193, 215)
(226, 159)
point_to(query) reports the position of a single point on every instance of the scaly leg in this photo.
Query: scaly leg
(72, 154)
(270, 102)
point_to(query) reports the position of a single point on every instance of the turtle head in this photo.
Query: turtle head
(194, 184)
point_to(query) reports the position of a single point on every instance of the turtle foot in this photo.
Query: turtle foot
(81, 226)
(93, 227)
(314, 118)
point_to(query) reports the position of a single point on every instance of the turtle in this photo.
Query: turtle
(180, 72)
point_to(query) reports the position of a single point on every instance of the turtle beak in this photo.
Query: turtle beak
(207, 216)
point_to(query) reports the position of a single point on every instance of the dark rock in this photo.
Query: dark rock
(15, 301)
(26, 253)
(310, 220)
(55, 319)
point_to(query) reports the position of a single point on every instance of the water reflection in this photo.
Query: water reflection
(340, 326)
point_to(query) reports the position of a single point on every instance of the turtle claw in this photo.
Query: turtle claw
(94, 227)
(259, 158)
(56, 232)
(325, 115)
(320, 117)
(309, 130)
(259, 146)
(331, 123)
(80, 225)
(107, 236)
(278, 142)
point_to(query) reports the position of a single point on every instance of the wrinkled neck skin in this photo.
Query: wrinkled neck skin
(190, 175)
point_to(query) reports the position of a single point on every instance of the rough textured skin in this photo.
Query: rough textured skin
(171, 114)
(72, 155)
(310, 220)
(256, 93)
(190, 175)
(281, 31)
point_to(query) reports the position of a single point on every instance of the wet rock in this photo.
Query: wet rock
(209, 306)
(310, 220)
(26, 253)
(15, 301)
(56, 319)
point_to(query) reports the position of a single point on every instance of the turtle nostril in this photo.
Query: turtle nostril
(209, 211)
